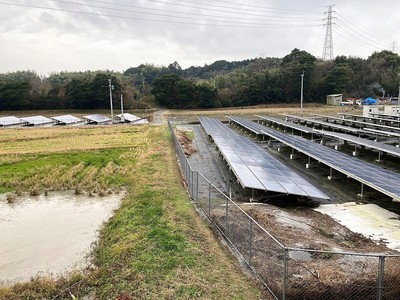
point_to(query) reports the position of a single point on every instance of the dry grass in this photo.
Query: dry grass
(192, 116)
(65, 139)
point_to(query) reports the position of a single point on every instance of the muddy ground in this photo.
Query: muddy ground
(289, 219)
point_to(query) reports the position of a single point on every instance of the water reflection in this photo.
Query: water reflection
(50, 234)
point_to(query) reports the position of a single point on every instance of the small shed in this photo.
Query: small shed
(97, 119)
(334, 99)
(129, 118)
(66, 120)
(37, 121)
(10, 121)
(393, 110)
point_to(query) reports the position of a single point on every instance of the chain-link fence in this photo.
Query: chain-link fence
(290, 273)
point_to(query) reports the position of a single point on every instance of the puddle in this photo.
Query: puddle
(48, 235)
(370, 220)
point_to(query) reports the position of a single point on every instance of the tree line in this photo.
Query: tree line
(223, 83)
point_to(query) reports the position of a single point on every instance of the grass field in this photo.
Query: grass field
(155, 246)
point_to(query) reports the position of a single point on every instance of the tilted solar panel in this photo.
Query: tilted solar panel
(97, 118)
(254, 167)
(67, 119)
(9, 121)
(383, 180)
(37, 120)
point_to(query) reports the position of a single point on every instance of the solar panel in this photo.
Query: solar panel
(97, 118)
(10, 121)
(383, 133)
(383, 180)
(359, 123)
(326, 124)
(372, 119)
(253, 166)
(298, 127)
(66, 119)
(364, 142)
(382, 115)
(129, 118)
(37, 120)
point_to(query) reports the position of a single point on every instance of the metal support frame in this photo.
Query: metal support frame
(309, 163)
(355, 150)
(381, 273)
(330, 173)
(379, 156)
(361, 194)
(292, 155)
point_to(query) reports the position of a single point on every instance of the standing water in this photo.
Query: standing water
(49, 235)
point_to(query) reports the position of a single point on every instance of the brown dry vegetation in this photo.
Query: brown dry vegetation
(191, 116)
(65, 139)
(186, 142)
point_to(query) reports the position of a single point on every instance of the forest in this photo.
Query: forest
(220, 84)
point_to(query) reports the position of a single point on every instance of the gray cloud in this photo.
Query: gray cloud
(53, 40)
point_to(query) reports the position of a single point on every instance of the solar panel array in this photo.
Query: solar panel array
(364, 142)
(382, 133)
(131, 118)
(385, 181)
(67, 119)
(382, 115)
(253, 166)
(360, 123)
(37, 120)
(326, 124)
(10, 121)
(372, 119)
(298, 127)
(96, 118)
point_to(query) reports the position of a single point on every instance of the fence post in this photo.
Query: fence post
(209, 199)
(250, 241)
(285, 272)
(191, 182)
(381, 274)
(197, 185)
(226, 216)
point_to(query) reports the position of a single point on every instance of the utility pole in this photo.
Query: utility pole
(301, 93)
(398, 97)
(327, 52)
(122, 105)
(393, 47)
(111, 87)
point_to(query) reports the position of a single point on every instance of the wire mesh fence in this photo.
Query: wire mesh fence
(291, 273)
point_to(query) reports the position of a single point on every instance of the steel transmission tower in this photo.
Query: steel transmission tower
(393, 47)
(327, 52)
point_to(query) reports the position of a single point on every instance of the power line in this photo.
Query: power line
(237, 25)
(355, 39)
(341, 16)
(178, 12)
(278, 10)
(238, 10)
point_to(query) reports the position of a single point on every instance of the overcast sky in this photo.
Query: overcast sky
(76, 35)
